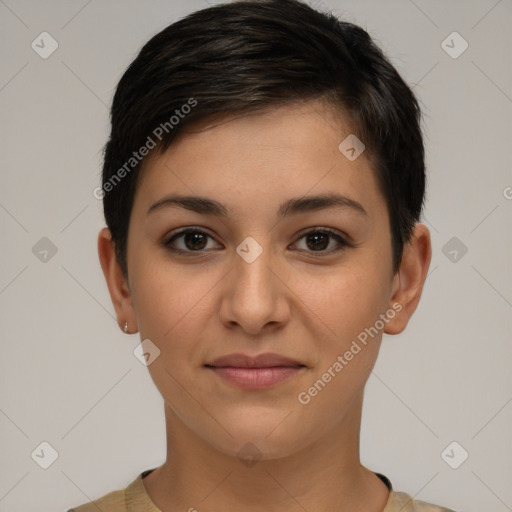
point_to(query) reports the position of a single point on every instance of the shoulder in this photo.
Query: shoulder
(133, 497)
(113, 502)
(400, 501)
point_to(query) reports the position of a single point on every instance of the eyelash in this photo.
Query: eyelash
(327, 231)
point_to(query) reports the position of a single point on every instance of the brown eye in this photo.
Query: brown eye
(319, 240)
(188, 240)
(194, 241)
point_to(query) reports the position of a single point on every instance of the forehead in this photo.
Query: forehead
(288, 150)
(289, 124)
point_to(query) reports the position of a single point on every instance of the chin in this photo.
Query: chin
(259, 438)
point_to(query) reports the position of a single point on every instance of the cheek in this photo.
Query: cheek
(346, 306)
(170, 306)
(347, 303)
(170, 303)
(345, 300)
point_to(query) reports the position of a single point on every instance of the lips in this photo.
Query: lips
(247, 372)
(266, 360)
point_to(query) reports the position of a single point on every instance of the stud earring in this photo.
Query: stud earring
(125, 328)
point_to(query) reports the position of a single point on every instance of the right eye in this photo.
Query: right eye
(190, 240)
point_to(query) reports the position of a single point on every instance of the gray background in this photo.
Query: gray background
(68, 375)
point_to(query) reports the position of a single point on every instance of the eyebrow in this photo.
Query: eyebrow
(294, 206)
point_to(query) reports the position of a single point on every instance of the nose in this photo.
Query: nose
(255, 295)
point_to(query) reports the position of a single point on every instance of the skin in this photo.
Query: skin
(294, 299)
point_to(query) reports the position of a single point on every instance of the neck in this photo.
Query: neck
(324, 475)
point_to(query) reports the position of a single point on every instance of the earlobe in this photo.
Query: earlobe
(410, 278)
(116, 282)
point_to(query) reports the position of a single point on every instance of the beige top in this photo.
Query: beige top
(135, 499)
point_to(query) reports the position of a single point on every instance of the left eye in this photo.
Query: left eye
(320, 239)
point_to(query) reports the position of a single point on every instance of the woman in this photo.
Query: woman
(262, 188)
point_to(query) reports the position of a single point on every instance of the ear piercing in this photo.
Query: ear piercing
(125, 328)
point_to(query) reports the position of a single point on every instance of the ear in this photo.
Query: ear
(116, 282)
(409, 280)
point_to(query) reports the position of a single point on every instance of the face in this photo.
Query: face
(288, 253)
